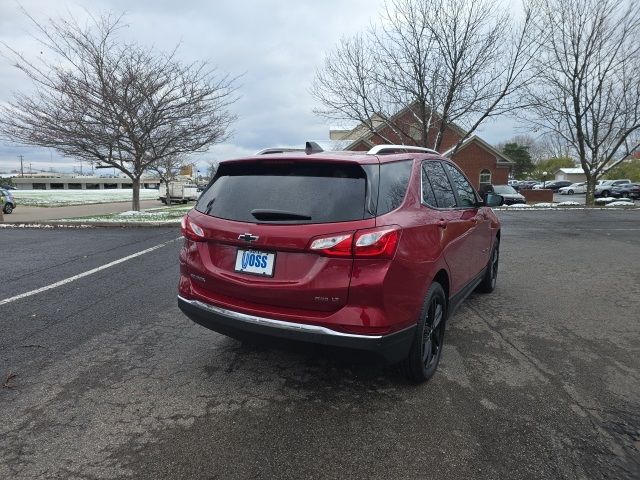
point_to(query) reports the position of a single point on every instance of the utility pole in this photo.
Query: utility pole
(21, 166)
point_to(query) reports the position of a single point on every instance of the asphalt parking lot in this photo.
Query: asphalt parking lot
(539, 380)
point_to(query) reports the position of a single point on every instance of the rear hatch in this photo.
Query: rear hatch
(259, 219)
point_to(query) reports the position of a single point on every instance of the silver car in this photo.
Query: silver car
(9, 201)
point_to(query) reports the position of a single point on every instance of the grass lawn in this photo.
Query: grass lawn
(64, 198)
(168, 215)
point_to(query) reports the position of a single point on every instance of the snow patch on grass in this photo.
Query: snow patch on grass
(163, 215)
(620, 203)
(518, 205)
(66, 198)
(543, 205)
(605, 200)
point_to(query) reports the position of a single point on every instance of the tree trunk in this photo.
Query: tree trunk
(167, 193)
(591, 187)
(135, 185)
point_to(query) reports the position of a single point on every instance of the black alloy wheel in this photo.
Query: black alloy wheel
(8, 208)
(488, 283)
(433, 333)
(426, 350)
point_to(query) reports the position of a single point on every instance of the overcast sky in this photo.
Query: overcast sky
(275, 44)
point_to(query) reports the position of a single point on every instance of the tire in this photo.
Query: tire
(8, 208)
(570, 192)
(426, 350)
(625, 195)
(605, 193)
(488, 283)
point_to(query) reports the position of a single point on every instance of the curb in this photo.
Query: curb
(62, 225)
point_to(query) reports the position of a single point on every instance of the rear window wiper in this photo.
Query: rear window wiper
(263, 214)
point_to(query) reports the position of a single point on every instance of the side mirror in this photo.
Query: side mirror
(494, 200)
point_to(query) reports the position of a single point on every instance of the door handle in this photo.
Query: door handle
(442, 223)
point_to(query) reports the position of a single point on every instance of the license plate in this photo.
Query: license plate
(255, 262)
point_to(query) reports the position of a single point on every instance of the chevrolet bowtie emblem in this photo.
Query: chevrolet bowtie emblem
(247, 237)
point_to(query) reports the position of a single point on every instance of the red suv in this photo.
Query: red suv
(366, 250)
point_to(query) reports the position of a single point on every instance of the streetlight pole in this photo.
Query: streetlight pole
(21, 166)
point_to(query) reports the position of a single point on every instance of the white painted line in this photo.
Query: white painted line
(85, 274)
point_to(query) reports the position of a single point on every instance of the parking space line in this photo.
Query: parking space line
(87, 273)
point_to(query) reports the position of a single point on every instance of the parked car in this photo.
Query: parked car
(510, 195)
(370, 252)
(527, 184)
(604, 188)
(7, 187)
(9, 201)
(554, 185)
(626, 190)
(573, 188)
(513, 183)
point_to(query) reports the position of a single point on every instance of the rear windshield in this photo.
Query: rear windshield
(291, 192)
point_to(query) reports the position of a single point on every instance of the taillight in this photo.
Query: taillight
(371, 243)
(334, 246)
(377, 242)
(191, 230)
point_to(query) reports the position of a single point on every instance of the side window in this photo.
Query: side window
(394, 179)
(466, 194)
(428, 196)
(437, 178)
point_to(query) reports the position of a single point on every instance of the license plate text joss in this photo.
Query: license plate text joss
(254, 259)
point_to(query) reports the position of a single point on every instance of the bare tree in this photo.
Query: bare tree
(167, 169)
(588, 87)
(212, 168)
(113, 103)
(446, 61)
(552, 145)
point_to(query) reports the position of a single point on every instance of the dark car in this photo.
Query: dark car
(556, 185)
(527, 184)
(9, 201)
(7, 187)
(626, 190)
(510, 195)
(368, 251)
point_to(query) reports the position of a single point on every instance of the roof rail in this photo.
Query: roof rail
(268, 151)
(382, 149)
(309, 148)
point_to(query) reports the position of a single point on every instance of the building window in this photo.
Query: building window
(485, 177)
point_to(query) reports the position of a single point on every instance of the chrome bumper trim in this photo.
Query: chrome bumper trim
(281, 324)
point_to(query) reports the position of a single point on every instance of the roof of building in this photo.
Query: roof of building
(571, 171)
(501, 157)
(364, 134)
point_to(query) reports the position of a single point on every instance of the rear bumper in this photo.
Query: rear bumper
(392, 348)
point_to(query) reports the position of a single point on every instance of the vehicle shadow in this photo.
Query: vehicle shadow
(305, 364)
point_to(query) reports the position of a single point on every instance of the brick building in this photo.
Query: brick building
(482, 163)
